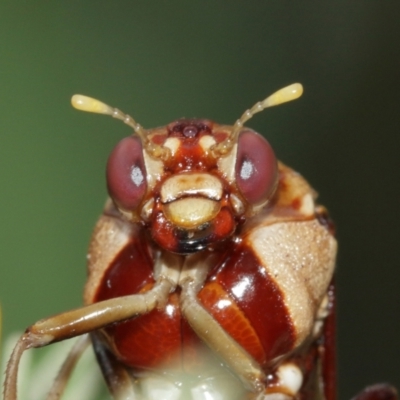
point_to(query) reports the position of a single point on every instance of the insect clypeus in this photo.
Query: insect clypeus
(210, 271)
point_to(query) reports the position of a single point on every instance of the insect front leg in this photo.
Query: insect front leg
(79, 321)
(210, 331)
(67, 368)
(249, 371)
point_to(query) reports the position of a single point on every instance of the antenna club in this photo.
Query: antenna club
(89, 104)
(288, 93)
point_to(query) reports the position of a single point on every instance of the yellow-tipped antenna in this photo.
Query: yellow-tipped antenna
(288, 93)
(89, 104)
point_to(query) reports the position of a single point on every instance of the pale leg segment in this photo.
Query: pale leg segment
(209, 330)
(82, 320)
(67, 368)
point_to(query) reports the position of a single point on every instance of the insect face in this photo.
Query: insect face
(194, 198)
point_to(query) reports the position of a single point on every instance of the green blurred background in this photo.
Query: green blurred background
(167, 59)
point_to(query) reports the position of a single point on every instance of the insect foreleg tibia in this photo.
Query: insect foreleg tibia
(220, 342)
(95, 316)
(79, 321)
(67, 368)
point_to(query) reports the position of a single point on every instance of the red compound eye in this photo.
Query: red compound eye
(126, 173)
(256, 167)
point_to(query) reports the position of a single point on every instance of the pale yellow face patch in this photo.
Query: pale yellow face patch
(196, 184)
(206, 142)
(227, 164)
(190, 212)
(173, 144)
(307, 205)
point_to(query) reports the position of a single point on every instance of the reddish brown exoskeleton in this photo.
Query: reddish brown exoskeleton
(210, 271)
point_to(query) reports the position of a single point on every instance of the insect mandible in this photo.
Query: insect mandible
(209, 271)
